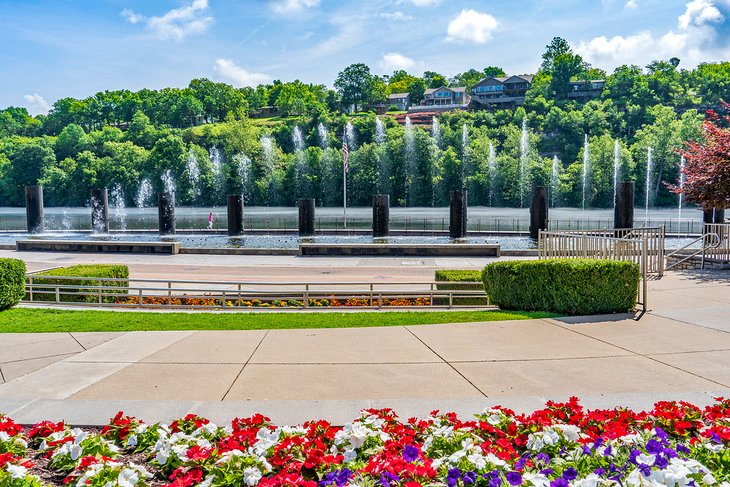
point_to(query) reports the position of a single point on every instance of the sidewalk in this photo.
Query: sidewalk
(679, 350)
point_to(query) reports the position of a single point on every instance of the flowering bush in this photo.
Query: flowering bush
(210, 301)
(676, 443)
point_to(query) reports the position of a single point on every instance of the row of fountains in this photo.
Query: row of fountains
(144, 192)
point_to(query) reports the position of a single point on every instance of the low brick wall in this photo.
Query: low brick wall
(99, 246)
(415, 250)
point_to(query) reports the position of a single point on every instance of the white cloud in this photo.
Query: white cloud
(397, 16)
(699, 13)
(36, 104)
(632, 5)
(231, 71)
(425, 3)
(696, 39)
(176, 24)
(392, 61)
(292, 6)
(471, 26)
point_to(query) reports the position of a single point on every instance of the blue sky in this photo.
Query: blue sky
(57, 48)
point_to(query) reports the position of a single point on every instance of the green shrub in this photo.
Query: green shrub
(86, 271)
(570, 286)
(12, 282)
(459, 276)
(394, 108)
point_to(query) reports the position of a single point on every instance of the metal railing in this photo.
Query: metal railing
(235, 295)
(721, 251)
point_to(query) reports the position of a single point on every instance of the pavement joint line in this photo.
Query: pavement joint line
(446, 362)
(496, 361)
(72, 336)
(2, 377)
(36, 358)
(244, 365)
(654, 313)
(693, 351)
(639, 354)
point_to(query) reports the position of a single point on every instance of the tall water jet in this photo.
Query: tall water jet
(554, 179)
(586, 169)
(119, 209)
(191, 164)
(379, 131)
(649, 164)
(350, 135)
(168, 182)
(216, 162)
(99, 210)
(681, 185)
(323, 135)
(410, 158)
(616, 169)
(492, 166)
(244, 171)
(144, 193)
(436, 131)
(464, 154)
(268, 165)
(524, 157)
(300, 160)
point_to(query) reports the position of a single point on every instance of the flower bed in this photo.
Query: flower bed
(212, 301)
(675, 443)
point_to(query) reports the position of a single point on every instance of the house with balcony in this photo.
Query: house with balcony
(445, 96)
(401, 100)
(501, 91)
(585, 90)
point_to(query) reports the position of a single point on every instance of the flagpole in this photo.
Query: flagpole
(344, 180)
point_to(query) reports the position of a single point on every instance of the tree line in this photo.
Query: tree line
(122, 137)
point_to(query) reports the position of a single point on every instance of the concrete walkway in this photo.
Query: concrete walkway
(679, 350)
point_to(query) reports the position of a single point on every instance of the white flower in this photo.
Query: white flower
(646, 459)
(536, 479)
(131, 441)
(349, 455)
(251, 476)
(162, 456)
(591, 481)
(708, 479)
(16, 471)
(128, 478)
(4, 437)
(207, 481)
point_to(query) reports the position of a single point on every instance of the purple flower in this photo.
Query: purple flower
(570, 474)
(514, 478)
(600, 471)
(661, 462)
(469, 478)
(654, 447)
(387, 478)
(586, 450)
(633, 455)
(543, 458)
(453, 477)
(645, 469)
(683, 449)
(607, 451)
(410, 453)
(598, 443)
(494, 479)
(559, 482)
(547, 472)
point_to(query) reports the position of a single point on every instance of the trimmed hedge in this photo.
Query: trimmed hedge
(12, 282)
(459, 276)
(569, 286)
(97, 270)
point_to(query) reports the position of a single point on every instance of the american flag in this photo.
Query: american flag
(346, 152)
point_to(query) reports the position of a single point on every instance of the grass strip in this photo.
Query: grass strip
(31, 320)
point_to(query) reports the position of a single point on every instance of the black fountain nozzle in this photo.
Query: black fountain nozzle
(166, 213)
(623, 213)
(99, 210)
(306, 217)
(538, 211)
(34, 208)
(457, 213)
(381, 215)
(235, 214)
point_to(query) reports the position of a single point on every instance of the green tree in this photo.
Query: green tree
(355, 85)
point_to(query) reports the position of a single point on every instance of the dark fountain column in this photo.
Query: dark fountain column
(100, 210)
(306, 217)
(166, 212)
(538, 211)
(623, 213)
(381, 215)
(235, 214)
(457, 213)
(34, 208)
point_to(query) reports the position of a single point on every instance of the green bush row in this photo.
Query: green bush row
(12, 282)
(569, 286)
(451, 275)
(82, 285)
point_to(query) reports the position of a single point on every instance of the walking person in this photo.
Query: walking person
(210, 221)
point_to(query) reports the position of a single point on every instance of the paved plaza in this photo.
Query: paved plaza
(678, 350)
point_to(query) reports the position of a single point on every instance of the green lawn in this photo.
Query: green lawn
(25, 320)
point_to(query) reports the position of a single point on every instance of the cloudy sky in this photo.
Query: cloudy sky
(57, 48)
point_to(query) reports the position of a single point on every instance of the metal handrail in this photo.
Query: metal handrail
(233, 294)
(715, 242)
